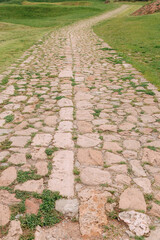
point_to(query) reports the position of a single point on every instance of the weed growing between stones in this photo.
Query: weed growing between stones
(9, 118)
(76, 171)
(97, 112)
(23, 176)
(46, 216)
(5, 144)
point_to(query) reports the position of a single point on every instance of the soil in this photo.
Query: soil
(148, 9)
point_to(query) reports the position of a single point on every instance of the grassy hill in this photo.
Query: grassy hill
(136, 38)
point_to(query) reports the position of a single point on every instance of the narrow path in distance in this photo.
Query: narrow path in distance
(85, 124)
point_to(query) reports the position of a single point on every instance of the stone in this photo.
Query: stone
(3, 155)
(83, 105)
(64, 230)
(108, 127)
(31, 186)
(151, 156)
(126, 126)
(92, 216)
(66, 73)
(95, 176)
(7, 198)
(2, 122)
(26, 132)
(39, 153)
(66, 113)
(32, 205)
(144, 183)
(131, 144)
(155, 210)
(137, 168)
(42, 139)
(155, 234)
(132, 199)
(17, 158)
(50, 121)
(63, 140)
(118, 168)
(15, 231)
(18, 99)
(68, 207)
(65, 126)
(88, 140)
(8, 176)
(123, 179)
(111, 146)
(129, 154)
(19, 141)
(137, 222)
(84, 127)
(111, 158)
(62, 178)
(5, 214)
(42, 168)
(89, 156)
(84, 115)
(150, 109)
(65, 102)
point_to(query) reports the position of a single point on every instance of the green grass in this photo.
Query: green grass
(136, 39)
(21, 25)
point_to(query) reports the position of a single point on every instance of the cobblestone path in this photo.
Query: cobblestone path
(75, 118)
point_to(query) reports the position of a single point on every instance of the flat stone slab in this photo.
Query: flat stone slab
(42, 139)
(88, 140)
(66, 73)
(17, 158)
(31, 186)
(8, 176)
(63, 140)
(61, 178)
(132, 199)
(89, 157)
(19, 141)
(95, 176)
(5, 214)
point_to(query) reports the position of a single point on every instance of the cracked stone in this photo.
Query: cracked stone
(90, 157)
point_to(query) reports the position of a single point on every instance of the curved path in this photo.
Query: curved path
(72, 92)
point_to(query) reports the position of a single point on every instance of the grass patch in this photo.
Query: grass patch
(5, 144)
(136, 39)
(23, 176)
(9, 118)
(21, 26)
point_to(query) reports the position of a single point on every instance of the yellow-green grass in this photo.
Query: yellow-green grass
(136, 39)
(22, 25)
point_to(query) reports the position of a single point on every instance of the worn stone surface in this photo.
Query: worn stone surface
(132, 199)
(91, 222)
(15, 231)
(7, 198)
(32, 205)
(155, 210)
(42, 139)
(5, 214)
(94, 176)
(8, 176)
(63, 230)
(155, 234)
(137, 222)
(90, 156)
(31, 186)
(42, 168)
(63, 140)
(61, 178)
(17, 158)
(88, 140)
(68, 207)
